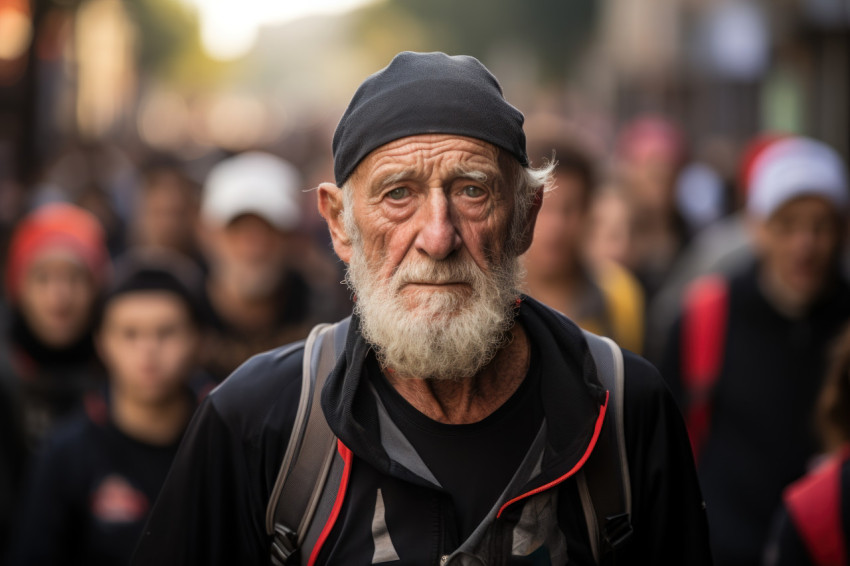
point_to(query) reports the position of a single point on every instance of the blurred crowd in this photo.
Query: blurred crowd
(133, 287)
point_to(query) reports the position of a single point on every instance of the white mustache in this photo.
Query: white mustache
(436, 273)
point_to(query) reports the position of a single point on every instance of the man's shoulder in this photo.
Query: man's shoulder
(258, 387)
(643, 381)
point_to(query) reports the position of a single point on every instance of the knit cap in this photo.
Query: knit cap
(426, 93)
(56, 226)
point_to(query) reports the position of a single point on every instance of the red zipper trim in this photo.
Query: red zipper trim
(346, 455)
(596, 429)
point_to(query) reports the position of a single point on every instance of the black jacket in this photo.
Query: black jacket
(212, 508)
(89, 493)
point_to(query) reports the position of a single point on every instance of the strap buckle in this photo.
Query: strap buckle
(283, 545)
(618, 529)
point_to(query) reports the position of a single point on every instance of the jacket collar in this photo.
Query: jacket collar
(571, 393)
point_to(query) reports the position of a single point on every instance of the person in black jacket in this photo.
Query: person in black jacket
(98, 474)
(463, 409)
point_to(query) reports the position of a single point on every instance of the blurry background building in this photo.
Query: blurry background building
(150, 74)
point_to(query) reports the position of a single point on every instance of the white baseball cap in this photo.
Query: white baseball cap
(794, 167)
(253, 182)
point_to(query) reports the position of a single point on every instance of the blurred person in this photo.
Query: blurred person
(57, 265)
(812, 526)
(724, 246)
(746, 354)
(459, 415)
(97, 176)
(603, 297)
(609, 226)
(650, 154)
(255, 297)
(98, 474)
(166, 211)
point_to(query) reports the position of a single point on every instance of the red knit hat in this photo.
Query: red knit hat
(56, 225)
(750, 155)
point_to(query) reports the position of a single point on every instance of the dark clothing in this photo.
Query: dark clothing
(89, 492)
(212, 508)
(12, 458)
(761, 435)
(496, 444)
(50, 383)
(787, 548)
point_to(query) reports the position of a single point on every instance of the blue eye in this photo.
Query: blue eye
(472, 191)
(397, 193)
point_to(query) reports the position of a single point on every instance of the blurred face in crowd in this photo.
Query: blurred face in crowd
(167, 212)
(560, 228)
(148, 343)
(426, 225)
(609, 228)
(650, 179)
(248, 256)
(56, 298)
(799, 244)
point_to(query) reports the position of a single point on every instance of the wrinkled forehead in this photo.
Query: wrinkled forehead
(434, 157)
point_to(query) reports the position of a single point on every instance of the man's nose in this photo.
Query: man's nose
(438, 236)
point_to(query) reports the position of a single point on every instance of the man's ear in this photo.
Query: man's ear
(331, 207)
(530, 221)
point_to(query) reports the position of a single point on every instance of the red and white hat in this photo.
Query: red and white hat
(793, 167)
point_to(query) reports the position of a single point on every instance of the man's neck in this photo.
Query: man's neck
(239, 311)
(159, 424)
(470, 400)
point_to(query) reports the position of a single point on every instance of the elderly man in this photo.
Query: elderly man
(463, 409)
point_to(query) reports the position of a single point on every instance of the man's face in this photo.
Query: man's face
(799, 245)
(560, 228)
(249, 256)
(57, 297)
(148, 344)
(425, 231)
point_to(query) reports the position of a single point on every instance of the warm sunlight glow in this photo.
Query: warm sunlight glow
(229, 27)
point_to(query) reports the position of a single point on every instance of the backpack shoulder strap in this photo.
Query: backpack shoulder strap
(604, 482)
(310, 449)
(704, 321)
(814, 505)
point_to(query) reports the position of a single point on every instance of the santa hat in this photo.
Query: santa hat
(794, 167)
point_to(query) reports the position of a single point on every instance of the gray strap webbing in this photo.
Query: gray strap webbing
(607, 511)
(310, 450)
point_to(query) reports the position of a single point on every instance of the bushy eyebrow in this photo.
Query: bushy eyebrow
(394, 178)
(459, 171)
(463, 172)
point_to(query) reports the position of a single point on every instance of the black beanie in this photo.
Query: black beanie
(424, 93)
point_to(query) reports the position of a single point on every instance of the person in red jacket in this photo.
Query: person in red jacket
(812, 526)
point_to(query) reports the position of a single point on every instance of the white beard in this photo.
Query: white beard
(437, 334)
